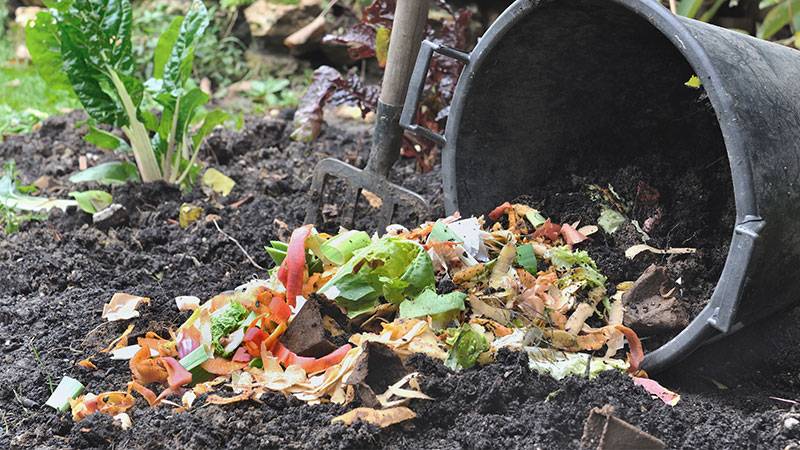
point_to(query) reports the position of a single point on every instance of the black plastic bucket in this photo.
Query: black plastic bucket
(555, 75)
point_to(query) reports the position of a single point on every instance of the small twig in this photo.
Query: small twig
(589, 367)
(41, 365)
(673, 6)
(785, 400)
(232, 239)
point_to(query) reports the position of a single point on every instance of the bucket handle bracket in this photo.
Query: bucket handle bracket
(745, 235)
(417, 84)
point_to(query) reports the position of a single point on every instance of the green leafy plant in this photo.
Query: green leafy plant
(219, 56)
(85, 46)
(232, 4)
(273, 92)
(692, 8)
(781, 13)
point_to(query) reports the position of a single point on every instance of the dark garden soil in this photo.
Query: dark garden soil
(56, 275)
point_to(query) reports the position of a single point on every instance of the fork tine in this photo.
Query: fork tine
(353, 194)
(386, 213)
(316, 196)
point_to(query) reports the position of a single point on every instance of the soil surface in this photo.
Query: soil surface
(56, 275)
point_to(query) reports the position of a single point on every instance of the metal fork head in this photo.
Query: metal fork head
(391, 195)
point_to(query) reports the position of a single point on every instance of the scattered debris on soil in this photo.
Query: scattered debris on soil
(58, 274)
(521, 283)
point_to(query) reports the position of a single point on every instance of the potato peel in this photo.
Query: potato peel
(380, 417)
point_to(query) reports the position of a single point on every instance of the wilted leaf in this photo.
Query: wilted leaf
(610, 220)
(694, 82)
(382, 35)
(92, 201)
(218, 400)
(560, 365)
(656, 389)
(218, 182)
(12, 198)
(380, 417)
(373, 199)
(122, 307)
(634, 250)
(189, 214)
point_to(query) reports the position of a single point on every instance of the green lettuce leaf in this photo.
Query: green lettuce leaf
(467, 346)
(564, 258)
(527, 258)
(391, 267)
(610, 220)
(429, 303)
(443, 309)
(582, 267)
(442, 233)
(224, 322)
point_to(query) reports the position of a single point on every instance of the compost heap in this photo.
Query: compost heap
(338, 315)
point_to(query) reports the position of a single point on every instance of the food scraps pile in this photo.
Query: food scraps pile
(339, 314)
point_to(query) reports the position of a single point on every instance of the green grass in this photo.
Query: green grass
(22, 88)
(25, 99)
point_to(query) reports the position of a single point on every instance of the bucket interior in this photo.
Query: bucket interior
(587, 91)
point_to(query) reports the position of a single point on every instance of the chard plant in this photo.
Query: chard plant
(85, 46)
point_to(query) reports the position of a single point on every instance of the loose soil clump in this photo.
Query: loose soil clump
(56, 275)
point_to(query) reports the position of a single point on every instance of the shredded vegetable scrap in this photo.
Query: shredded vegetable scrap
(520, 282)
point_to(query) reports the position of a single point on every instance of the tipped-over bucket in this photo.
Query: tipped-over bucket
(565, 83)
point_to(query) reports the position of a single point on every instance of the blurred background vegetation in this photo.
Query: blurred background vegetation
(249, 66)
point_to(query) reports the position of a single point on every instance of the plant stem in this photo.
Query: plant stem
(191, 163)
(137, 133)
(169, 165)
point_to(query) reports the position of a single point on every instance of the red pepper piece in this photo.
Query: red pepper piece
(255, 335)
(295, 263)
(282, 273)
(241, 355)
(279, 309)
(498, 212)
(310, 365)
(177, 375)
(549, 230)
